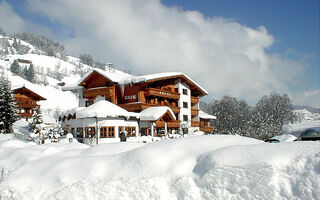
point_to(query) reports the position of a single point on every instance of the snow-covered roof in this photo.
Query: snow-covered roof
(103, 109)
(71, 87)
(149, 77)
(72, 111)
(30, 91)
(125, 78)
(154, 113)
(112, 74)
(204, 115)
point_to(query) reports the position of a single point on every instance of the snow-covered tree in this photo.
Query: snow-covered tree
(270, 115)
(87, 59)
(2, 32)
(15, 67)
(232, 115)
(30, 74)
(36, 120)
(8, 107)
(57, 73)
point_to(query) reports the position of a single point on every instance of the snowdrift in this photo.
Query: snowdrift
(198, 167)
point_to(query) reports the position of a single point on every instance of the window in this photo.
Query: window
(185, 91)
(185, 118)
(131, 130)
(26, 102)
(185, 104)
(90, 131)
(80, 132)
(89, 103)
(107, 132)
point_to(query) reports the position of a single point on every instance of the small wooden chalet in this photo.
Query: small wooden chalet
(26, 100)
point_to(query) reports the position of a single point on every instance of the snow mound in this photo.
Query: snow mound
(199, 167)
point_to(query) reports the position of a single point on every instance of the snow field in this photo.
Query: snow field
(198, 167)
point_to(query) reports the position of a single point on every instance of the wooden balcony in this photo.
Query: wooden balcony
(25, 114)
(173, 124)
(175, 110)
(93, 93)
(139, 106)
(206, 129)
(194, 99)
(195, 123)
(29, 105)
(194, 112)
(161, 93)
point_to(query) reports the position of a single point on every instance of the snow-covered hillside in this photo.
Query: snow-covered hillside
(304, 114)
(45, 67)
(199, 167)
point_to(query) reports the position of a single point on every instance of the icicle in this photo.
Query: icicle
(122, 86)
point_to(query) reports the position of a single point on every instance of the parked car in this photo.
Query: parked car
(272, 140)
(309, 135)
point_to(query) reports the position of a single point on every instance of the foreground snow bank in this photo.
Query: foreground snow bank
(199, 167)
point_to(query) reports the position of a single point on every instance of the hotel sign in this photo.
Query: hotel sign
(131, 97)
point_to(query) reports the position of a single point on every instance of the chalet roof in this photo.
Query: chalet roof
(204, 115)
(100, 109)
(24, 90)
(120, 77)
(154, 113)
(167, 75)
(111, 74)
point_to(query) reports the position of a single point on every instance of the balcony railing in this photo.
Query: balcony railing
(132, 107)
(29, 105)
(206, 129)
(195, 123)
(161, 93)
(173, 124)
(92, 93)
(194, 112)
(25, 114)
(194, 99)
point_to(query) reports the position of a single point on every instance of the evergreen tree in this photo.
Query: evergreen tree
(15, 67)
(36, 120)
(2, 32)
(87, 59)
(8, 107)
(31, 74)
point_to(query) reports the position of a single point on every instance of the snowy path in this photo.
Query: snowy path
(199, 167)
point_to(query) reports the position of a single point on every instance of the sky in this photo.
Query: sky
(244, 49)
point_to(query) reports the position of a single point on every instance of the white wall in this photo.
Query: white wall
(91, 122)
(184, 98)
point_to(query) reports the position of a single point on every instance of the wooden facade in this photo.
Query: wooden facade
(26, 101)
(139, 96)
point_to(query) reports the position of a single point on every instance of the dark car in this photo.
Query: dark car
(309, 135)
(272, 140)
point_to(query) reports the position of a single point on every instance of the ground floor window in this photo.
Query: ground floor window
(107, 132)
(79, 132)
(144, 131)
(131, 131)
(90, 132)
